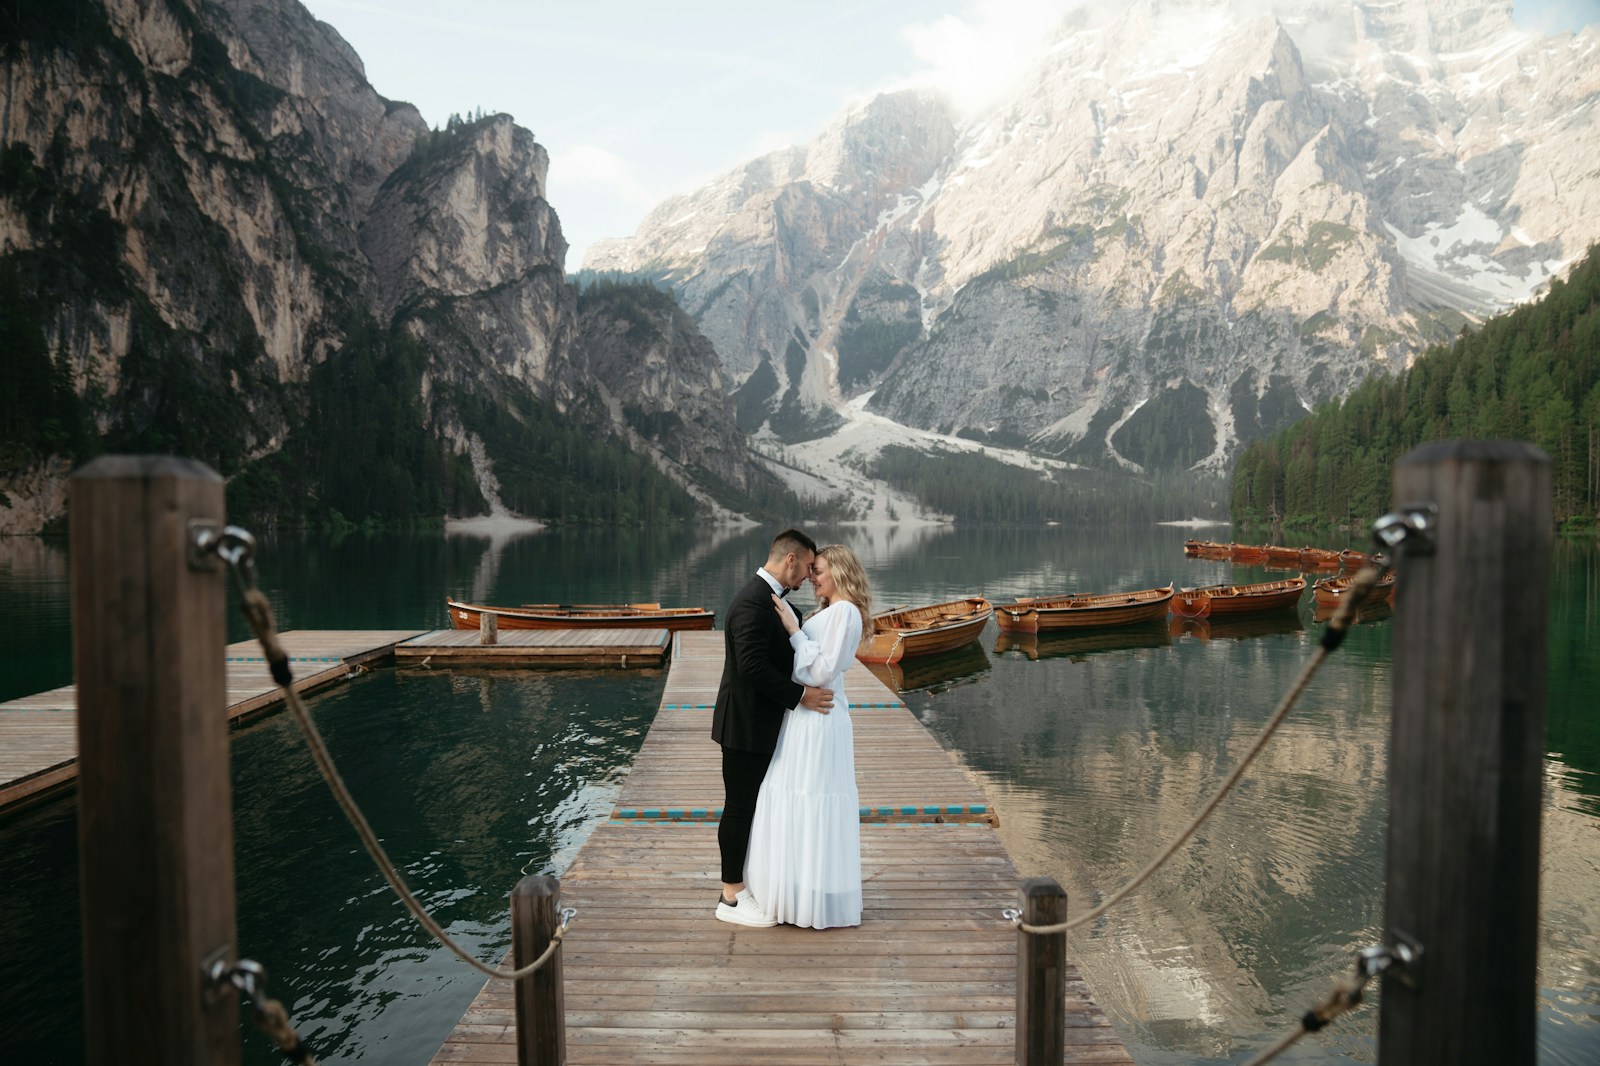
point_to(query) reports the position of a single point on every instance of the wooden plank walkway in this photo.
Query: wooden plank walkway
(652, 977)
(39, 733)
(538, 647)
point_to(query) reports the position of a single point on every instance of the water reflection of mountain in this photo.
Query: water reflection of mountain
(1036, 646)
(934, 673)
(1097, 761)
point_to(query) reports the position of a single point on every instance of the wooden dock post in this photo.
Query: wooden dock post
(155, 832)
(1466, 756)
(488, 628)
(541, 1012)
(1041, 984)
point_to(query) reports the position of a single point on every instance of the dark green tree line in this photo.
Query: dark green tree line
(1532, 374)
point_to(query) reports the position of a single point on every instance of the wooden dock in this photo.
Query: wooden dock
(39, 733)
(652, 977)
(538, 647)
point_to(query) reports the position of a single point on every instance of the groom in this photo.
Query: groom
(756, 689)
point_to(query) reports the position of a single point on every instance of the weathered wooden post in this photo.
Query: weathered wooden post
(1041, 981)
(1466, 756)
(541, 1014)
(488, 628)
(155, 831)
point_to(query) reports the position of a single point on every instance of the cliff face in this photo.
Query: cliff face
(659, 376)
(769, 258)
(207, 206)
(1189, 222)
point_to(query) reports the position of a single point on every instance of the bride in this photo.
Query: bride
(804, 865)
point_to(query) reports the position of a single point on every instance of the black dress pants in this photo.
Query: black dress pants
(742, 774)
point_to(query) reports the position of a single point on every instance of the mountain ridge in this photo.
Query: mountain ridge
(1167, 241)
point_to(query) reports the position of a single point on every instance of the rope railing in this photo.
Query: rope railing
(1388, 533)
(235, 547)
(1361, 587)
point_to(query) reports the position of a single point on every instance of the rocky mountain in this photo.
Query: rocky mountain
(1189, 222)
(216, 238)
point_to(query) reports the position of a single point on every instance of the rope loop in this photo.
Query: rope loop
(270, 1016)
(1345, 997)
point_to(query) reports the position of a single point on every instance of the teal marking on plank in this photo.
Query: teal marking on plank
(704, 814)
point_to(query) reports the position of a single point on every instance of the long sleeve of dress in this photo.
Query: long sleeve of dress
(826, 651)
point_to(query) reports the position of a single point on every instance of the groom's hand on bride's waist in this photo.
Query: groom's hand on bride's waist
(817, 699)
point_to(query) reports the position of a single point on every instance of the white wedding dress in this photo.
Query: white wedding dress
(804, 862)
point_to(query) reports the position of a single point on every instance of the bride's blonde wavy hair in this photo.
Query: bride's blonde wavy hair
(851, 578)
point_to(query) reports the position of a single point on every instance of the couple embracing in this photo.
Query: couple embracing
(790, 834)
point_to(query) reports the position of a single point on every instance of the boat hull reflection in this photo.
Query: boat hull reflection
(1241, 628)
(1036, 646)
(1375, 611)
(937, 672)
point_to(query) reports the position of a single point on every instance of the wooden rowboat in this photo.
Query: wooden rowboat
(1247, 553)
(1051, 614)
(1205, 549)
(1319, 559)
(1281, 555)
(1352, 560)
(1227, 600)
(583, 616)
(903, 633)
(1329, 591)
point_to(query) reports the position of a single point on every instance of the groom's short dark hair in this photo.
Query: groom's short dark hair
(791, 540)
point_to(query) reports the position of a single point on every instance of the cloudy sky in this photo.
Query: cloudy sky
(638, 99)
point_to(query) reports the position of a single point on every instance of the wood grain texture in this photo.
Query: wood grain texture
(1466, 756)
(155, 826)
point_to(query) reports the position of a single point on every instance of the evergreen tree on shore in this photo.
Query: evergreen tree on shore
(1532, 374)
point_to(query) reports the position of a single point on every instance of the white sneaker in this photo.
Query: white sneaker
(745, 912)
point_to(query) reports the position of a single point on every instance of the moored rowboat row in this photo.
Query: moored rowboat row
(1277, 555)
(908, 632)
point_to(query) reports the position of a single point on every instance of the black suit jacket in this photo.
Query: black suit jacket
(756, 688)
